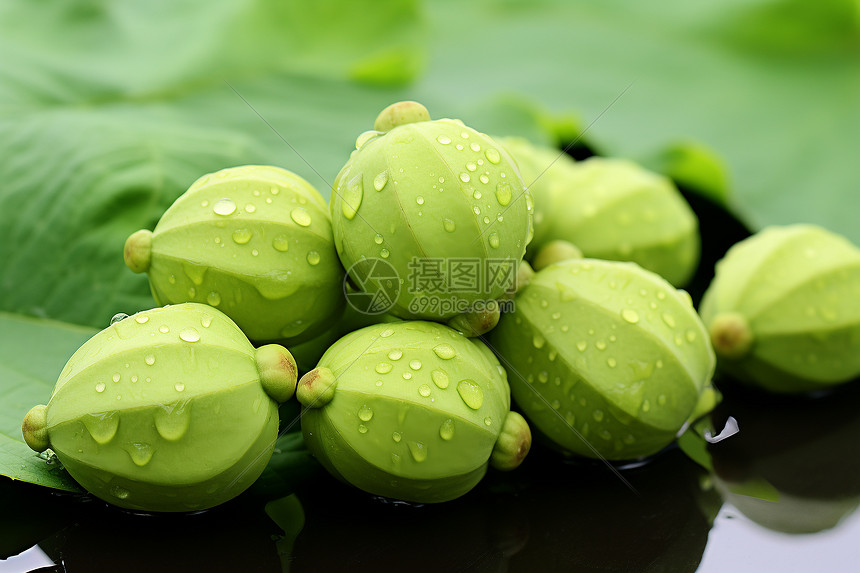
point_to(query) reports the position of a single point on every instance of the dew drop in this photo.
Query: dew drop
(484, 179)
(384, 367)
(213, 298)
(250, 208)
(164, 329)
(396, 437)
(118, 317)
(149, 359)
(418, 451)
(378, 239)
(445, 351)
(179, 386)
(464, 177)
(281, 243)
(119, 492)
(100, 387)
(582, 345)
(415, 365)
(380, 181)
(365, 414)
(449, 225)
(443, 139)
(690, 335)
(141, 319)
(407, 375)
(446, 430)
(224, 207)
(669, 320)
(492, 156)
(503, 194)
(598, 415)
(395, 355)
(419, 200)
(494, 240)
(488, 421)
(139, 452)
(630, 315)
(102, 427)
(313, 258)
(471, 393)
(384, 253)
(189, 334)
(362, 429)
(471, 166)
(611, 362)
(440, 378)
(538, 341)
(300, 216)
(424, 390)
(386, 333)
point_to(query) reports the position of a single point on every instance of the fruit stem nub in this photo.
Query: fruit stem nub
(731, 335)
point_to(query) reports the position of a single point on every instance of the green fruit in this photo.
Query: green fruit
(613, 209)
(440, 203)
(411, 410)
(784, 309)
(171, 409)
(605, 358)
(544, 172)
(253, 241)
(555, 252)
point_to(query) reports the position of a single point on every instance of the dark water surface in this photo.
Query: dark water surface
(781, 497)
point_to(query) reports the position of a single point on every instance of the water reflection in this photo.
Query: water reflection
(546, 516)
(795, 465)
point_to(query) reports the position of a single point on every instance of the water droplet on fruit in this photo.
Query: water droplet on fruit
(380, 181)
(445, 351)
(492, 156)
(424, 390)
(440, 378)
(446, 430)
(313, 258)
(189, 334)
(471, 393)
(365, 414)
(630, 315)
(384, 367)
(418, 451)
(224, 207)
(300, 216)
(281, 243)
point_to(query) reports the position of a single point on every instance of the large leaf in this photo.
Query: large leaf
(32, 354)
(773, 86)
(109, 111)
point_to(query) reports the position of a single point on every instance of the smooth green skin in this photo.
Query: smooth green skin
(415, 166)
(308, 354)
(198, 255)
(798, 288)
(608, 349)
(614, 209)
(145, 443)
(422, 466)
(544, 172)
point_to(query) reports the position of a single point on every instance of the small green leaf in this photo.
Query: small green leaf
(32, 354)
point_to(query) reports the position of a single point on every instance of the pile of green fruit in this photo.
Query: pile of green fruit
(407, 391)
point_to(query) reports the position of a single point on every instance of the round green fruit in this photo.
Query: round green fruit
(442, 204)
(253, 241)
(783, 310)
(545, 171)
(614, 209)
(412, 411)
(605, 358)
(170, 409)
